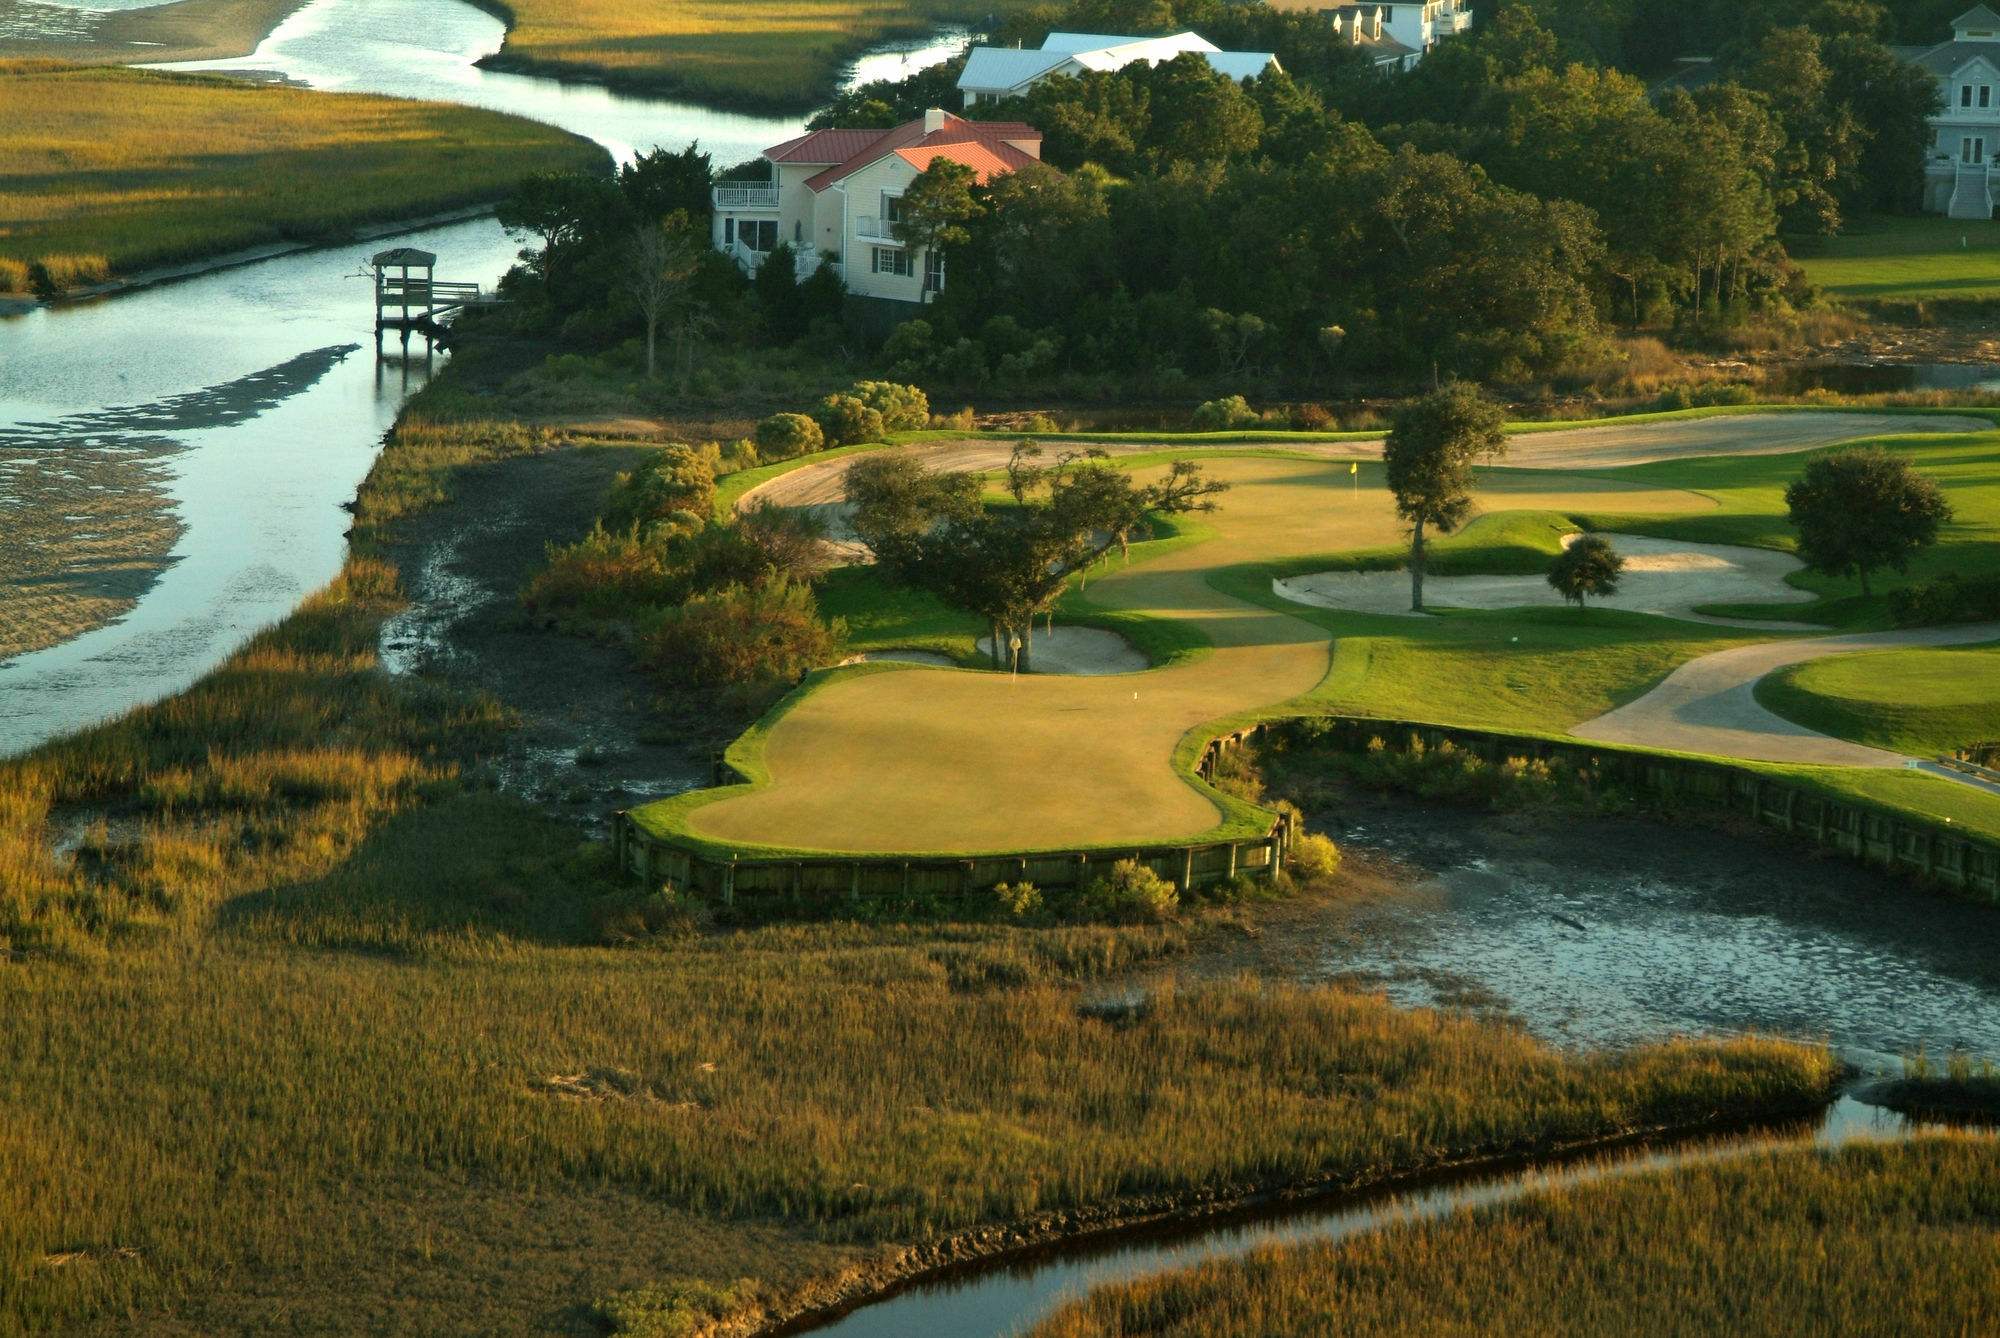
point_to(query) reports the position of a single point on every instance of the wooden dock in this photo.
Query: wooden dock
(409, 298)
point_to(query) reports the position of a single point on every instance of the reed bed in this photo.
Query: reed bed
(1871, 1240)
(303, 1027)
(105, 170)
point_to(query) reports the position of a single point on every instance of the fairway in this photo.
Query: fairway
(1909, 259)
(915, 759)
(1921, 702)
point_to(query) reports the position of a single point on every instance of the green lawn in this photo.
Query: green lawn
(1921, 702)
(1907, 259)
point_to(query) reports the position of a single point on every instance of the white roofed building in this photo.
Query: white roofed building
(994, 73)
(1965, 134)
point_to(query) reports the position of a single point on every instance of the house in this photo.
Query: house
(1394, 36)
(994, 73)
(835, 195)
(1958, 174)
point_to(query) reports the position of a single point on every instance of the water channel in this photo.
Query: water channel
(252, 395)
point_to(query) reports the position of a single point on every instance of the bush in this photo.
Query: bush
(604, 575)
(1131, 894)
(1948, 600)
(903, 408)
(742, 636)
(1312, 857)
(1225, 414)
(784, 435)
(1018, 901)
(1310, 418)
(847, 421)
(672, 491)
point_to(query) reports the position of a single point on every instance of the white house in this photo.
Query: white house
(1958, 175)
(993, 73)
(1395, 36)
(834, 196)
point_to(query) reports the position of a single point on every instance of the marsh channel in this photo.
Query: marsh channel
(240, 408)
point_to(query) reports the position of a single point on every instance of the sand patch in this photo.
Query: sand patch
(925, 657)
(1669, 577)
(1086, 651)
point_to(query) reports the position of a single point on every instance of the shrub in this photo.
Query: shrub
(672, 491)
(1312, 857)
(1310, 418)
(1225, 414)
(1943, 601)
(1018, 900)
(903, 408)
(909, 348)
(604, 575)
(847, 421)
(54, 274)
(741, 636)
(784, 435)
(1131, 893)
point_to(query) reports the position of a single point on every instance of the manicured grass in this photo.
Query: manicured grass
(1873, 1240)
(779, 54)
(106, 170)
(1921, 702)
(1908, 259)
(1911, 794)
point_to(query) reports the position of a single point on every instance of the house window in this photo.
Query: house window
(934, 270)
(1972, 150)
(1986, 95)
(729, 232)
(892, 209)
(759, 234)
(1965, 95)
(892, 260)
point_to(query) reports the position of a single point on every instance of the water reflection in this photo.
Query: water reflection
(1875, 378)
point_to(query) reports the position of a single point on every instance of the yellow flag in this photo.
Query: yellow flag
(1354, 468)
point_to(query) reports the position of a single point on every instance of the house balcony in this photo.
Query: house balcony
(806, 260)
(738, 198)
(868, 227)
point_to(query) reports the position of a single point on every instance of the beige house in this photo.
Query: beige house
(1393, 36)
(835, 195)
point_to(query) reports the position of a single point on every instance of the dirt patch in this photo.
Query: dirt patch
(84, 533)
(925, 657)
(1663, 576)
(595, 734)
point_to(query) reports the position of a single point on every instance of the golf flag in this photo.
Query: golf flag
(1354, 468)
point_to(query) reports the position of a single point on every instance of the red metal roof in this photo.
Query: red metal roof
(823, 146)
(980, 145)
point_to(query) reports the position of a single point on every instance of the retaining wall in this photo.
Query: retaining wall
(1931, 849)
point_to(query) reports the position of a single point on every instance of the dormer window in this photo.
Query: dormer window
(1965, 95)
(1986, 95)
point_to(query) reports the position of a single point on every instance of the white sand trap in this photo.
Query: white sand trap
(929, 657)
(1081, 650)
(1670, 577)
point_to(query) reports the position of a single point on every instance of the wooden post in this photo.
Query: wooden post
(854, 885)
(729, 881)
(1187, 869)
(1232, 861)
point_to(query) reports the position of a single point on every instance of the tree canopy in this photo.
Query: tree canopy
(1589, 566)
(1863, 509)
(1428, 458)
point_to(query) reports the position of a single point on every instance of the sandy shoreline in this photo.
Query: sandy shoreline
(183, 30)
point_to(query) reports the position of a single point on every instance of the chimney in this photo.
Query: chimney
(934, 119)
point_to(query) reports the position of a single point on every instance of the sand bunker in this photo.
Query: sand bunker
(1081, 650)
(929, 657)
(1665, 576)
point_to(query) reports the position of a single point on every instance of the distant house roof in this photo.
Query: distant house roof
(1978, 17)
(1002, 70)
(1691, 73)
(989, 148)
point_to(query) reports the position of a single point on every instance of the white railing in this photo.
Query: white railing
(875, 229)
(746, 197)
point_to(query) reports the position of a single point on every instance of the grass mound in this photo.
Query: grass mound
(1922, 702)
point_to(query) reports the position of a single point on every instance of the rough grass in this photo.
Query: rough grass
(1873, 1240)
(302, 1028)
(1921, 702)
(106, 170)
(1908, 259)
(780, 54)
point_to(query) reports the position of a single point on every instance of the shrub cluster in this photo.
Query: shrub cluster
(673, 491)
(742, 636)
(1949, 600)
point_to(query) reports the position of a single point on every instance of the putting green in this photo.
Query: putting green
(924, 759)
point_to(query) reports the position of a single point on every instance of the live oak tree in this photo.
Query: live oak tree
(1590, 566)
(1863, 509)
(936, 207)
(1429, 458)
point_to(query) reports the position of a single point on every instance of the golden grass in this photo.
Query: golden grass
(777, 53)
(1873, 1240)
(301, 1028)
(109, 170)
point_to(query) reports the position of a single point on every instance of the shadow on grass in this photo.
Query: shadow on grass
(477, 867)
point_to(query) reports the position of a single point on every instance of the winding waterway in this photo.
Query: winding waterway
(253, 394)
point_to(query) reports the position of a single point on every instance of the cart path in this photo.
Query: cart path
(1708, 705)
(1599, 446)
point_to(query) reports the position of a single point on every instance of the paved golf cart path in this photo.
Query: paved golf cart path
(1601, 446)
(1708, 705)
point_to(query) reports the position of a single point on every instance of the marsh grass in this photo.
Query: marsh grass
(106, 170)
(300, 1023)
(1872, 1240)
